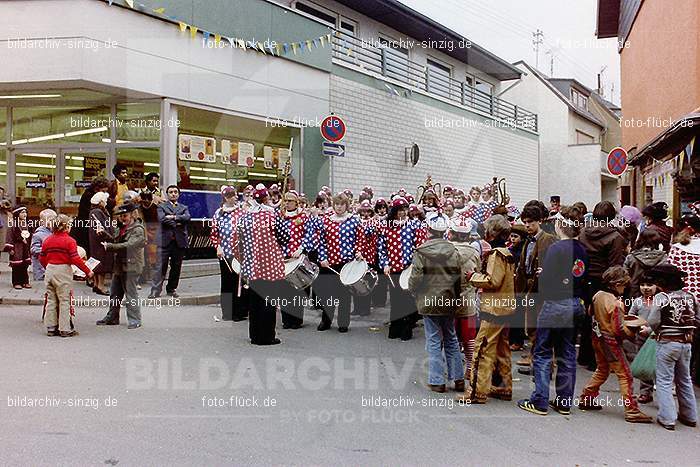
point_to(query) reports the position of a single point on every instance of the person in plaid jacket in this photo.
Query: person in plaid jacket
(397, 241)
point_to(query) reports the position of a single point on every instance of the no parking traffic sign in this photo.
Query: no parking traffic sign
(333, 128)
(617, 161)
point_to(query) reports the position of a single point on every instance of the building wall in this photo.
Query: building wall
(611, 137)
(578, 123)
(580, 177)
(380, 125)
(661, 67)
(370, 30)
(152, 56)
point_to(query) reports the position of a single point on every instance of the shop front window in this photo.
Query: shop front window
(138, 162)
(138, 121)
(80, 170)
(3, 173)
(35, 178)
(49, 125)
(216, 149)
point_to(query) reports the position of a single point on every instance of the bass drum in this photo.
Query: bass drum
(359, 277)
(300, 272)
(403, 278)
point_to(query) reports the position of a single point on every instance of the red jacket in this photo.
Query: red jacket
(60, 248)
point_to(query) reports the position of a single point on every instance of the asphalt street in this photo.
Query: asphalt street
(189, 390)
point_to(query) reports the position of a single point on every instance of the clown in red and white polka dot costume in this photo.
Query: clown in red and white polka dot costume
(260, 252)
(398, 240)
(687, 259)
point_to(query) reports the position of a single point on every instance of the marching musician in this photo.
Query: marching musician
(398, 239)
(234, 297)
(460, 202)
(262, 264)
(292, 225)
(367, 247)
(337, 247)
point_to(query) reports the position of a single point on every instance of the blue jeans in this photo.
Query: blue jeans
(555, 333)
(440, 333)
(673, 365)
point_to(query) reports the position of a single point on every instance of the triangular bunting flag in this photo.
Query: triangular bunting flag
(681, 161)
(301, 46)
(271, 48)
(315, 42)
(232, 41)
(159, 11)
(206, 36)
(689, 149)
(193, 31)
(294, 48)
(130, 3)
(217, 38)
(323, 41)
(279, 49)
(286, 48)
(183, 26)
(261, 48)
(308, 44)
(110, 2)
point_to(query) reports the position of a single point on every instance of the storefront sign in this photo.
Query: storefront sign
(82, 183)
(93, 167)
(196, 148)
(36, 184)
(237, 172)
(246, 154)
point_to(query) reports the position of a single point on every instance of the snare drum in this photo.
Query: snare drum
(403, 278)
(300, 272)
(359, 277)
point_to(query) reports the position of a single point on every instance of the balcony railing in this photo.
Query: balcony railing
(394, 64)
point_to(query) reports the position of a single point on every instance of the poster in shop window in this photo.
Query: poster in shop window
(246, 154)
(268, 162)
(196, 148)
(275, 158)
(229, 152)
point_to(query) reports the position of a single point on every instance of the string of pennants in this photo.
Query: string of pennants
(660, 171)
(266, 47)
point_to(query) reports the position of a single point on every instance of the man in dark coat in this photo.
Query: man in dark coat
(172, 242)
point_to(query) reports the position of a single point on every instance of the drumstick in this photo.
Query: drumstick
(391, 280)
(333, 270)
(228, 265)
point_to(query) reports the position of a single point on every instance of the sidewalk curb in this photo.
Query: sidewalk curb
(192, 300)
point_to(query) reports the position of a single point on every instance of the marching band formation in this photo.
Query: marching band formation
(341, 254)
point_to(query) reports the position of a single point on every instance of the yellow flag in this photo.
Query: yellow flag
(183, 26)
(294, 48)
(279, 49)
(130, 3)
(217, 38)
(193, 31)
(160, 10)
(308, 44)
(323, 41)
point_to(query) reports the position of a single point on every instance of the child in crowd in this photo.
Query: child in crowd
(674, 316)
(19, 239)
(609, 330)
(46, 218)
(641, 307)
(58, 253)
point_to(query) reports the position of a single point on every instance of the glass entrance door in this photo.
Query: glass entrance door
(79, 169)
(36, 173)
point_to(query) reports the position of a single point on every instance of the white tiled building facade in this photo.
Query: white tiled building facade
(381, 125)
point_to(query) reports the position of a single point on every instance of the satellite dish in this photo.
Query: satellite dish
(415, 154)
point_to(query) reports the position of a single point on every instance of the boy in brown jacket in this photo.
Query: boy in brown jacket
(497, 304)
(609, 330)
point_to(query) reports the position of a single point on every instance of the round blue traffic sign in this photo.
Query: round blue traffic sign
(617, 161)
(333, 128)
